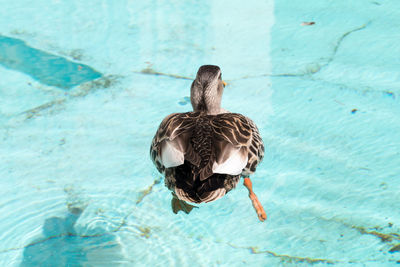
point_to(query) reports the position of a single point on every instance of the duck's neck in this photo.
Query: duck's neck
(206, 102)
(214, 111)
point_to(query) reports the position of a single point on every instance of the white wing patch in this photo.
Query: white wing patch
(171, 156)
(234, 164)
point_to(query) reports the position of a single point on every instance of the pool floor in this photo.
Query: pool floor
(79, 109)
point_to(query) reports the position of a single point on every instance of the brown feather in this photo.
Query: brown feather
(203, 139)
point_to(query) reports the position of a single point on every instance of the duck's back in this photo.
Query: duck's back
(202, 156)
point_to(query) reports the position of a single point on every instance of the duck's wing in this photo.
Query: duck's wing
(170, 145)
(239, 147)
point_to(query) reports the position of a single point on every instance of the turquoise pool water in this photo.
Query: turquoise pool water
(85, 84)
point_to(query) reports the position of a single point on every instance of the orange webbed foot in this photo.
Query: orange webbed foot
(178, 205)
(262, 216)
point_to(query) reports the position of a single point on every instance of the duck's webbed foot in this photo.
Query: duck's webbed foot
(262, 216)
(177, 205)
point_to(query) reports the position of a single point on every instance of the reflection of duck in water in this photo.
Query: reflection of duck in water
(60, 245)
(203, 153)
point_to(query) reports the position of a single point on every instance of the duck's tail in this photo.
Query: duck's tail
(190, 187)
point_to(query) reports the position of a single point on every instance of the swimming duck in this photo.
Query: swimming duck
(202, 154)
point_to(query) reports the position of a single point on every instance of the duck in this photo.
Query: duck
(204, 153)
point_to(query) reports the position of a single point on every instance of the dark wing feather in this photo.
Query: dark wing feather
(256, 150)
(242, 132)
(174, 126)
(229, 130)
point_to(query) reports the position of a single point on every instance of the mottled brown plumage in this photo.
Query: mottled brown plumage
(203, 153)
(204, 138)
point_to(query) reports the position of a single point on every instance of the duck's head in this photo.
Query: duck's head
(206, 91)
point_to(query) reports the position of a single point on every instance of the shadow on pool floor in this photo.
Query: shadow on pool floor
(44, 67)
(60, 245)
